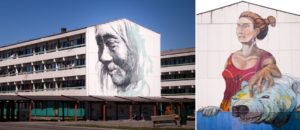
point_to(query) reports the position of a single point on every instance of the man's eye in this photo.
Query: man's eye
(112, 45)
(112, 40)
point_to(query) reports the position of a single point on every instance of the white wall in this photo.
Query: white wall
(216, 40)
(150, 47)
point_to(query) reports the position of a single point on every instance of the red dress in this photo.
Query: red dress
(234, 77)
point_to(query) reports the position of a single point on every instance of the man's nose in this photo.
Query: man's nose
(106, 56)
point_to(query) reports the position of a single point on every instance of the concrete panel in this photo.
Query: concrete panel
(285, 63)
(177, 68)
(201, 64)
(178, 83)
(273, 38)
(202, 37)
(230, 14)
(209, 92)
(241, 7)
(294, 36)
(213, 30)
(214, 66)
(218, 16)
(296, 63)
(287, 18)
(284, 38)
(204, 18)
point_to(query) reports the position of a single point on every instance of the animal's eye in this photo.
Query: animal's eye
(265, 96)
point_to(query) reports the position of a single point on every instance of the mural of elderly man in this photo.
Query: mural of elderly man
(123, 59)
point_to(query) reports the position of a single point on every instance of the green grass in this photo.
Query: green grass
(129, 128)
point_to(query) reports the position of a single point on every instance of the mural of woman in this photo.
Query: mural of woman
(250, 63)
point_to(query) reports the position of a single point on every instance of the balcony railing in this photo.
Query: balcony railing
(71, 47)
(41, 71)
(177, 94)
(47, 89)
(182, 64)
(25, 55)
(15, 56)
(179, 79)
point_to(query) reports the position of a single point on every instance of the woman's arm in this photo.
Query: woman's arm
(266, 74)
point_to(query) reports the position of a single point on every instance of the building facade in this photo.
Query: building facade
(216, 40)
(70, 63)
(178, 73)
(101, 72)
(219, 33)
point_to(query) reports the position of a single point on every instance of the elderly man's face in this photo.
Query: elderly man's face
(113, 53)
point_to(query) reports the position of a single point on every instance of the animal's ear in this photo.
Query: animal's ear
(244, 84)
(296, 87)
(281, 119)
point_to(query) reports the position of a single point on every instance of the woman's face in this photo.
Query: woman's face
(245, 30)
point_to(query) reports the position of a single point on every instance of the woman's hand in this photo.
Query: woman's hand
(210, 110)
(266, 74)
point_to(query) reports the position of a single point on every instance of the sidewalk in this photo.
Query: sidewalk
(120, 123)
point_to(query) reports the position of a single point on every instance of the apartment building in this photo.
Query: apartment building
(77, 75)
(178, 73)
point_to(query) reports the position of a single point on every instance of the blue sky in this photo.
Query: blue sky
(22, 20)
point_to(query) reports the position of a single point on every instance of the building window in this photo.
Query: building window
(39, 50)
(39, 68)
(183, 90)
(73, 83)
(25, 52)
(51, 67)
(27, 69)
(185, 75)
(7, 88)
(184, 60)
(80, 62)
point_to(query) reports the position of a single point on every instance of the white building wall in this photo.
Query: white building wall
(216, 40)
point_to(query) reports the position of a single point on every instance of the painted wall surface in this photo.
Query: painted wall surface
(224, 121)
(123, 59)
(217, 39)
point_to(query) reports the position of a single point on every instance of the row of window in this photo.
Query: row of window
(61, 65)
(183, 90)
(178, 76)
(178, 61)
(41, 86)
(43, 48)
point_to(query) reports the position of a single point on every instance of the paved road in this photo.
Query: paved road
(42, 126)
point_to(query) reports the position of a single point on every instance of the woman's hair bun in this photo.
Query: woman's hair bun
(271, 20)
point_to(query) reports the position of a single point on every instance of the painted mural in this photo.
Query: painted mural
(256, 91)
(124, 61)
